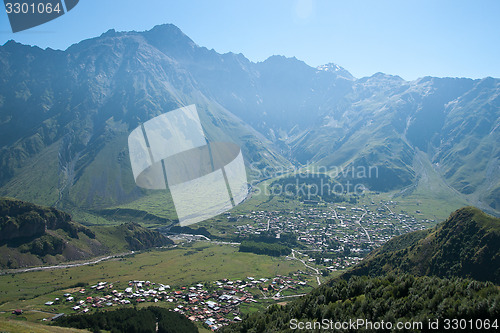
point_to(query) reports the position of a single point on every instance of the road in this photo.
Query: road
(305, 264)
(397, 216)
(358, 222)
(42, 268)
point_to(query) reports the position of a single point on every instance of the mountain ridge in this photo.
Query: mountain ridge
(74, 108)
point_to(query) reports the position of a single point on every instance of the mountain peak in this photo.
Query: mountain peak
(109, 33)
(334, 68)
(13, 45)
(170, 40)
(330, 67)
(10, 42)
(380, 75)
(281, 58)
(166, 28)
(167, 33)
(280, 61)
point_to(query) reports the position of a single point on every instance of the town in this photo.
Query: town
(214, 304)
(333, 236)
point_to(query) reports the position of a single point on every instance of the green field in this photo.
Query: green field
(21, 325)
(200, 262)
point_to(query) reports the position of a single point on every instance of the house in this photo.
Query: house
(211, 304)
(17, 312)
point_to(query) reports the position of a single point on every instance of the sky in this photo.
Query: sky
(409, 38)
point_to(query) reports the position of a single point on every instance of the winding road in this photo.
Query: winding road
(310, 267)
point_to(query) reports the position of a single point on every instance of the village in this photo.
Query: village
(337, 236)
(214, 304)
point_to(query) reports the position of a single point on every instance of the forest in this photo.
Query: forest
(391, 298)
(270, 249)
(131, 320)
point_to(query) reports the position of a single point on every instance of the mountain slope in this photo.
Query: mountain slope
(465, 245)
(34, 235)
(65, 117)
(363, 304)
(69, 125)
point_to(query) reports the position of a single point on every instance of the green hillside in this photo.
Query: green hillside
(393, 299)
(151, 319)
(465, 245)
(32, 235)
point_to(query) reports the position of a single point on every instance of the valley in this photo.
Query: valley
(181, 268)
(430, 138)
(360, 190)
(325, 239)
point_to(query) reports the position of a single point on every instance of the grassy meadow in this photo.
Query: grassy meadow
(181, 266)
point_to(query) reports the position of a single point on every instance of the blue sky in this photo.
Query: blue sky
(410, 38)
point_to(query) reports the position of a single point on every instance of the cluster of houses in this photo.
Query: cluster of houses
(215, 304)
(335, 228)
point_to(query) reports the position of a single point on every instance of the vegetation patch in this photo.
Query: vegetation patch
(150, 319)
(391, 298)
(274, 250)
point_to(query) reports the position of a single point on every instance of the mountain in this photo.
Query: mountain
(467, 244)
(33, 235)
(65, 142)
(65, 117)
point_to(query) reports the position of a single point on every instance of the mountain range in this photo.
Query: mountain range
(65, 117)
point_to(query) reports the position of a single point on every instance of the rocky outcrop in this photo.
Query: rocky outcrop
(22, 220)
